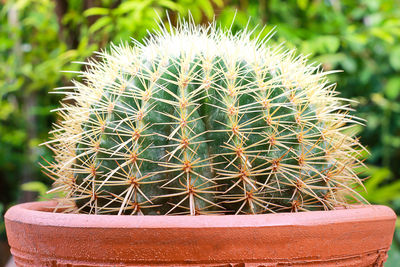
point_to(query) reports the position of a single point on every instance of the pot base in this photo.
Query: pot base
(373, 258)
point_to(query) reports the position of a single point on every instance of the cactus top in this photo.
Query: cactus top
(197, 120)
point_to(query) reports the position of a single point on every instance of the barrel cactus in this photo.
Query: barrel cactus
(197, 120)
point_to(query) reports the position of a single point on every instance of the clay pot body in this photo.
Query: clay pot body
(360, 236)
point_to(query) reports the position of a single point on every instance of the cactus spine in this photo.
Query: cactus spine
(198, 121)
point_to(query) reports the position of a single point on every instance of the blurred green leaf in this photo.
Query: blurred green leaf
(219, 3)
(130, 6)
(394, 58)
(96, 11)
(99, 24)
(206, 7)
(6, 109)
(171, 5)
(378, 191)
(392, 88)
(35, 186)
(394, 252)
(302, 4)
(2, 224)
(382, 34)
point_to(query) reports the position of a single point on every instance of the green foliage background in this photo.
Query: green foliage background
(40, 38)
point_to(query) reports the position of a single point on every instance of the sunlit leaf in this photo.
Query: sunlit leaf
(392, 88)
(96, 11)
(37, 187)
(302, 4)
(394, 58)
(99, 24)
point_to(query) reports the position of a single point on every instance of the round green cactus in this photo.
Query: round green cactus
(197, 121)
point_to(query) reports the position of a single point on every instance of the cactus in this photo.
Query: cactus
(196, 121)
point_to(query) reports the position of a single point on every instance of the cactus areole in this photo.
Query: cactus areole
(197, 120)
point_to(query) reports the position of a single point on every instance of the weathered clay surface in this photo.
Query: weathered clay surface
(360, 236)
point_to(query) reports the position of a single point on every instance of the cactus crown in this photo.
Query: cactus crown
(197, 120)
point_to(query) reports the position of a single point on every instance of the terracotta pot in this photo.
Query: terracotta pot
(360, 236)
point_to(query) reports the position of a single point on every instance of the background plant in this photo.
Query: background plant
(40, 38)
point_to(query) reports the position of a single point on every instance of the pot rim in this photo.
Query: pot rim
(358, 236)
(39, 213)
